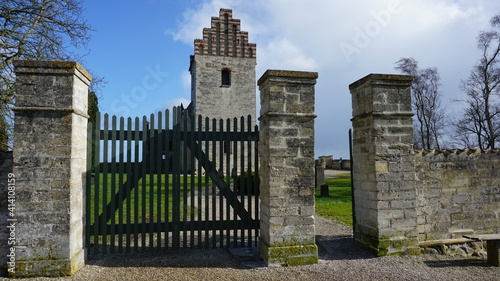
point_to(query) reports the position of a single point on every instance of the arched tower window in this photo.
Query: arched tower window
(226, 77)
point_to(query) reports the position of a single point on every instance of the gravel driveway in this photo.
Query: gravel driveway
(340, 259)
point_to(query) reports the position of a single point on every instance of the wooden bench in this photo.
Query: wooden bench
(492, 246)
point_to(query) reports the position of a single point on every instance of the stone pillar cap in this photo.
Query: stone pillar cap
(290, 74)
(54, 67)
(389, 79)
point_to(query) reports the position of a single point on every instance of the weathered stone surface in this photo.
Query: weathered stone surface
(384, 181)
(403, 196)
(287, 168)
(457, 189)
(50, 139)
(209, 97)
(289, 255)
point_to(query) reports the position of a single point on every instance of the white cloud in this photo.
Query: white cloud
(194, 20)
(283, 53)
(176, 102)
(433, 16)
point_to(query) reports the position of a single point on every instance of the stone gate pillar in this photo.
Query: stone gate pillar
(384, 174)
(286, 149)
(50, 137)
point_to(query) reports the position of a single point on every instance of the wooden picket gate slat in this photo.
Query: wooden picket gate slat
(171, 183)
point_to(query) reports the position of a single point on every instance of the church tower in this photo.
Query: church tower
(223, 70)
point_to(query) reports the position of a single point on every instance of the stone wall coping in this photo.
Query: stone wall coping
(382, 79)
(289, 75)
(52, 67)
(431, 152)
(432, 243)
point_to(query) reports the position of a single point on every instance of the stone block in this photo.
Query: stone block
(307, 210)
(381, 167)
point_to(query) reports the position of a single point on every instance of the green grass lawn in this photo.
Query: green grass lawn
(338, 206)
(147, 201)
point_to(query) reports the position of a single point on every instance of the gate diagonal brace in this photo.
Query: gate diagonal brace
(110, 211)
(217, 178)
(115, 200)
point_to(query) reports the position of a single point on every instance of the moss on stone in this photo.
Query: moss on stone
(48, 266)
(45, 268)
(414, 251)
(293, 242)
(303, 260)
(382, 252)
(387, 245)
(383, 244)
(290, 255)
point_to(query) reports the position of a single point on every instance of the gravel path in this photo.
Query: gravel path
(340, 259)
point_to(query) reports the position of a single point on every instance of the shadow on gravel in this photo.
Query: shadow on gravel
(459, 263)
(180, 258)
(340, 248)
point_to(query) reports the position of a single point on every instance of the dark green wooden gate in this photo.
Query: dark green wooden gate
(156, 184)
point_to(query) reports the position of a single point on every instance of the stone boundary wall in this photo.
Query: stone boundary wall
(328, 162)
(406, 200)
(458, 192)
(5, 168)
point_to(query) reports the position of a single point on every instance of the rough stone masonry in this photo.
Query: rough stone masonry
(50, 139)
(287, 168)
(384, 173)
(406, 200)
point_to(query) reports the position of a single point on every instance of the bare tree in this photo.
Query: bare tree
(36, 30)
(426, 103)
(479, 124)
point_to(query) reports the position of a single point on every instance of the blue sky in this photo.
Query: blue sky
(143, 66)
(142, 48)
